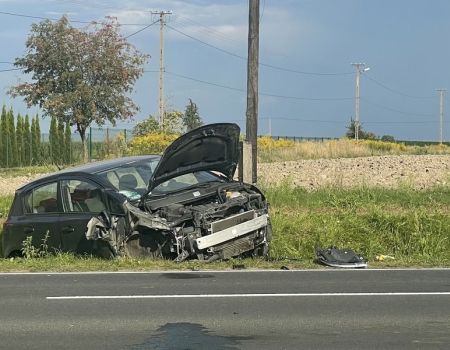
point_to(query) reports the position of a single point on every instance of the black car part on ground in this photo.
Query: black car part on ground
(217, 222)
(343, 258)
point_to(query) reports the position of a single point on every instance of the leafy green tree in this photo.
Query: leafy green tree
(36, 141)
(19, 140)
(3, 137)
(387, 138)
(191, 117)
(68, 144)
(145, 127)
(61, 142)
(27, 141)
(363, 135)
(12, 151)
(53, 140)
(173, 122)
(83, 76)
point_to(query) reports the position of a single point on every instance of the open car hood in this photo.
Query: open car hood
(213, 147)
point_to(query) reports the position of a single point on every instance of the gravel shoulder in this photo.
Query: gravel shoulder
(418, 171)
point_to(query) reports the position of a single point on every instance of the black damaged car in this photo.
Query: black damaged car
(181, 205)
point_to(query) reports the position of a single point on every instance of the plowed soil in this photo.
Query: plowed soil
(419, 171)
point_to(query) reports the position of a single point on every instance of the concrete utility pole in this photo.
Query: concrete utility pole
(441, 112)
(161, 63)
(360, 68)
(250, 145)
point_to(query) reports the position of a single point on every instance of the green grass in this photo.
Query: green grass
(413, 226)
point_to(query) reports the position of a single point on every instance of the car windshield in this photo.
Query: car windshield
(185, 181)
(131, 180)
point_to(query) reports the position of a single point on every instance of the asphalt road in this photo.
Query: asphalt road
(327, 309)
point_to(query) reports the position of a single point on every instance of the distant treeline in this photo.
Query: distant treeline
(21, 143)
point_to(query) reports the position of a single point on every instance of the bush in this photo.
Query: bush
(150, 143)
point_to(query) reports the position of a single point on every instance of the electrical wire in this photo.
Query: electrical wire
(71, 20)
(367, 76)
(260, 63)
(396, 110)
(261, 93)
(142, 29)
(9, 70)
(262, 12)
(186, 21)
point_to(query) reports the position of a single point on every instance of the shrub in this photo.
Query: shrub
(150, 143)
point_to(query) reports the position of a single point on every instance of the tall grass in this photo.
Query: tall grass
(412, 226)
(270, 150)
(404, 223)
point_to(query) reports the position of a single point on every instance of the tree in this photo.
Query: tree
(36, 140)
(12, 151)
(61, 143)
(68, 144)
(387, 138)
(53, 141)
(363, 135)
(27, 141)
(83, 76)
(147, 126)
(3, 138)
(173, 122)
(191, 118)
(19, 140)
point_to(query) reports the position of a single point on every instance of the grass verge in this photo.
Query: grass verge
(412, 226)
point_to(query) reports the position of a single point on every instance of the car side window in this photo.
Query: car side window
(43, 199)
(82, 196)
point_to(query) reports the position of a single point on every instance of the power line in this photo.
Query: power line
(396, 91)
(207, 30)
(261, 93)
(142, 29)
(260, 63)
(396, 110)
(55, 19)
(205, 82)
(9, 70)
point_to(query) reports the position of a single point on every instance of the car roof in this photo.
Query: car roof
(98, 167)
(92, 168)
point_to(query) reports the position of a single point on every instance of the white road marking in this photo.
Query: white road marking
(251, 295)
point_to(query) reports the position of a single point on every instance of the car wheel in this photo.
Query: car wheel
(139, 246)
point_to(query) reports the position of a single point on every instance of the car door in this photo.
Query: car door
(41, 213)
(82, 199)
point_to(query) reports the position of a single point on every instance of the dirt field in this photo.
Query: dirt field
(421, 172)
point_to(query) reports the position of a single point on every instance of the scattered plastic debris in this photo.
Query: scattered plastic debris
(382, 257)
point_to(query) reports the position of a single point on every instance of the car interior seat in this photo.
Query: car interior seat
(128, 182)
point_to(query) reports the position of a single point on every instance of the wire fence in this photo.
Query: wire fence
(102, 143)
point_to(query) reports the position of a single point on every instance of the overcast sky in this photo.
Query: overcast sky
(307, 82)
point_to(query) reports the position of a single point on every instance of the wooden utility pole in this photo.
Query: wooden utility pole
(252, 90)
(161, 63)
